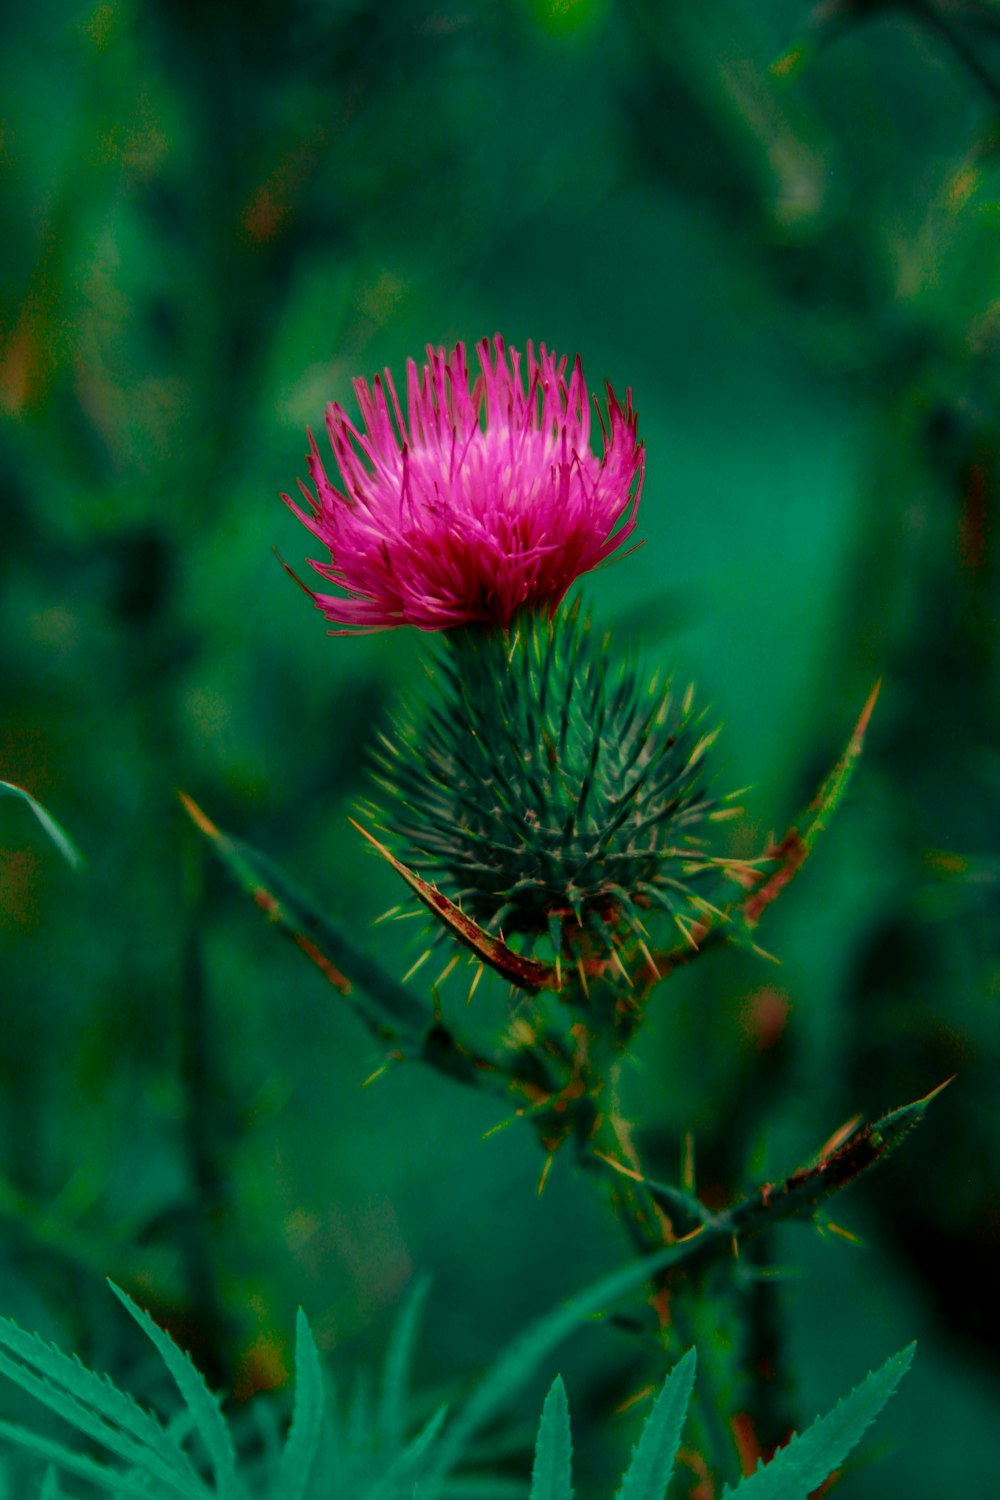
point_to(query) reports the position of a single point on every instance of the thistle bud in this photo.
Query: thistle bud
(549, 789)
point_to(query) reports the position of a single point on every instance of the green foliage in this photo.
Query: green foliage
(801, 1195)
(50, 1486)
(209, 231)
(393, 1414)
(306, 1429)
(551, 1475)
(533, 1346)
(152, 1456)
(801, 1467)
(794, 1472)
(99, 1411)
(322, 940)
(202, 1406)
(651, 1466)
(367, 1456)
(551, 787)
(58, 835)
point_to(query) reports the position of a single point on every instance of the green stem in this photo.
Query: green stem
(643, 1218)
(799, 1196)
(718, 1439)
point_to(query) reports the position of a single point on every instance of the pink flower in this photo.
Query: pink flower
(479, 502)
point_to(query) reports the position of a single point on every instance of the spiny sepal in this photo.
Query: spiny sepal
(765, 878)
(551, 790)
(527, 973)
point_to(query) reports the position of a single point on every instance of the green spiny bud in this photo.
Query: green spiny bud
(549, 789)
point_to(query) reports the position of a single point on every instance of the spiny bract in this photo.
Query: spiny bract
(549, 789)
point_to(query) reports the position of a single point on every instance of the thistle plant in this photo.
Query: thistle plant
(548, 802)
(550, 789)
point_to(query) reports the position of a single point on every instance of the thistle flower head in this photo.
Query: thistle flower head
(483, 499)
(550, 790)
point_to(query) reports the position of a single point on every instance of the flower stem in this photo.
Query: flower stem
(678, 1307)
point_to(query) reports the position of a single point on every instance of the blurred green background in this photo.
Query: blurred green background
(211, 219)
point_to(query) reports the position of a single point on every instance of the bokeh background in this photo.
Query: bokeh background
(780, 228)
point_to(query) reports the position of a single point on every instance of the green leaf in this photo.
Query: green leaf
(786, 858)
(809, 1459)
(478, 1487)
(792, 851)
(890, 1130)
(552, 1474)
(307, 1417)
(270, 1435)
(398, 1481)
(396, 1372)
(652, 1462)
(95, 1407)
(801, 1194)
(98, 1474)
(58, 835)
(517, 1364)
(360, 1424)
(852, 1153)
(322, 941)
(204, 1408)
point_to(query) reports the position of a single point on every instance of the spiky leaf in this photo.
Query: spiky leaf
(798, 1469)
(799, 1196)
(778, 865)
(113, 1481)
(528, 973)
(307, 1416)
(95, 1407)
(208, 1420)
(652, 1462)
(798, 843)
(399, 1480)
(396, 1370)
(316, 935)
(552, 1475)
(524, 1355)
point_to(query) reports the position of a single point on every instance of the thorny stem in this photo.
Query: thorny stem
(651, 1229)
(799, 1196)
(647, 1209)
(717, 1431)
(648, 1224)
(771, 1411)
